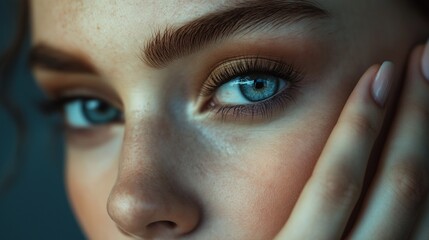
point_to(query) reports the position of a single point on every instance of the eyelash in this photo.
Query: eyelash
(227, 71)
(223, 73)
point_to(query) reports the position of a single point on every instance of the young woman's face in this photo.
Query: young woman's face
(204, 119)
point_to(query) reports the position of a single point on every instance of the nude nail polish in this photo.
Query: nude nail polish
(425, 62)
(382, 83)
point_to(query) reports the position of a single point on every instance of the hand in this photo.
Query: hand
(396, 205)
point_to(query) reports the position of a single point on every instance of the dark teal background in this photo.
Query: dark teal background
(35, 207)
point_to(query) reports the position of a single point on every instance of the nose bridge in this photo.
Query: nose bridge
(141, 165)
(156, 140)
(146, 200)
(145, 137)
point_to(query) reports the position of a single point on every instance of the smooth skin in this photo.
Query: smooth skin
(171, 170)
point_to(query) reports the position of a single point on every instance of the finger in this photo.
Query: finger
(422, 226)
(332, 191)
(400, 188)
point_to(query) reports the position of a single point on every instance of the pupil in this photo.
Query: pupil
(258, 87)
(259, 84)
(97, 106)
(97, 111)
(102, 108)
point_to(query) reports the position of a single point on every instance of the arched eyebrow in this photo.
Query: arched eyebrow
(240, 18)
(50, 58)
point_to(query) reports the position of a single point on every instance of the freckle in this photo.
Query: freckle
(98, 27)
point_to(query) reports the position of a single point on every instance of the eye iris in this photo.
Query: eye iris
(97, 111)
(256, 88)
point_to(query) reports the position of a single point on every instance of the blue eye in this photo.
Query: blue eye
(256, 88)
(87, 112)
(249, 89)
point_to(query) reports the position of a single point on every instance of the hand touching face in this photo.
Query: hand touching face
(190, 118)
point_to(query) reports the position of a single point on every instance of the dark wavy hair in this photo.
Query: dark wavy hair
(8, 63)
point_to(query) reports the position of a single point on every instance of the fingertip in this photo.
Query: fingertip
(425, 62)
(382, 83)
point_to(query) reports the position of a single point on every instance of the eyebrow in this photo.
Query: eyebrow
(171, 43)
(242, 17)
(50, 58)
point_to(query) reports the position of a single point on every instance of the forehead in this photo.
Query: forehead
(78, 7)
(141, 17)
(121, 16)
(121, 27)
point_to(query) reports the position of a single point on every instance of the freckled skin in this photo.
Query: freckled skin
(222, 180)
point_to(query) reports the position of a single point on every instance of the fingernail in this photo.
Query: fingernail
(382, 83)
(425, 62)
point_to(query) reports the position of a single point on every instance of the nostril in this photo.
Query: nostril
(162, 225)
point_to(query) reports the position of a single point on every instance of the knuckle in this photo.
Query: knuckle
(409, 182)
(362, 125)
(338, 186)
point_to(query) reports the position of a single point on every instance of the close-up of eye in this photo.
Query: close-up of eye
(253, 87)
(84, 112)
(249, 89)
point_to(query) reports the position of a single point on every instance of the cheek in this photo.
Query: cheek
(258, 195)
(88, 198)
(90, 176)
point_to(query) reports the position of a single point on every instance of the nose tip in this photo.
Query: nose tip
(147, 218)
(155, 229)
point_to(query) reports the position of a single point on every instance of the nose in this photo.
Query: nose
(152, 213)
(147, 200)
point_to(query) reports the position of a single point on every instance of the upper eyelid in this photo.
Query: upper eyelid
(248, 64)
(231, 61)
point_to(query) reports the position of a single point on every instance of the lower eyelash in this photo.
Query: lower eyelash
(261, 110)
